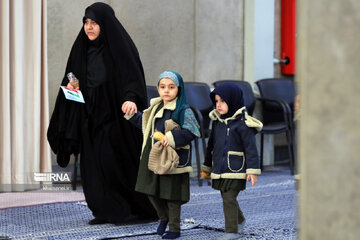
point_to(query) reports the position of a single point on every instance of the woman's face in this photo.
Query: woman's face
(92, 29)
(167, 90)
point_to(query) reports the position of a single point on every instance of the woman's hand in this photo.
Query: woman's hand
(253, 178)
(165, 141)
(71, 87)
(129, 108)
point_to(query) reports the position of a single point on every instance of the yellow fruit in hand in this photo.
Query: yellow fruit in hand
(158, 135)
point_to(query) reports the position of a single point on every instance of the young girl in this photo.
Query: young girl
(231, 153)
(166, 192)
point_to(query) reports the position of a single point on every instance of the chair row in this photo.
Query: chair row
(276, 95)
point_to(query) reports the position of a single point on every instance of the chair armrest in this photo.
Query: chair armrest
(284, 107)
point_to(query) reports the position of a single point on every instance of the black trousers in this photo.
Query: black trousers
(232, 212)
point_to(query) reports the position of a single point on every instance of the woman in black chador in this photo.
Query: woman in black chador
(106, 62)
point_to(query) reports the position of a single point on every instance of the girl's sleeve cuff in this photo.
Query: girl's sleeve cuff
(253, 171)
(206, 168)
(170, 138)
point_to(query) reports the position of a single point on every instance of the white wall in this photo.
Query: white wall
(201, 39)
(259, 19)
(264, 39)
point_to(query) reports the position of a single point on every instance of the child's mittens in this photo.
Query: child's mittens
(204, 175)
(158, 135)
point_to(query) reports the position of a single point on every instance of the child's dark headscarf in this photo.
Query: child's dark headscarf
(231, 94)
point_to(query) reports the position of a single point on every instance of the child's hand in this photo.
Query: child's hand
(204, 175)
(253, 178)
(129, 108)
(165, 141)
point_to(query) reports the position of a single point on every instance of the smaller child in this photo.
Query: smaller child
(167, 192)
(231, 155)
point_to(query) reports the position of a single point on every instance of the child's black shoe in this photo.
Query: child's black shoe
(161, 228)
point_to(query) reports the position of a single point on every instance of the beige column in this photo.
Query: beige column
(328, 72)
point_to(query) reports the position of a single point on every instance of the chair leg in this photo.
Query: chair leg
(198, 161)
(203, 145)
(202, 132)
(294, 149)
(293, 143)
(261, 150)
(76, 163)
(290, 149)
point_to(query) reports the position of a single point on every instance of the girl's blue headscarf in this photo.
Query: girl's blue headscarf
(181, 103)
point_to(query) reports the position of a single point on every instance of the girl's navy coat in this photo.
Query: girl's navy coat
(178, 139)
(232, 151)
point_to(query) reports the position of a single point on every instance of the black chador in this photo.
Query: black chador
(109, 72)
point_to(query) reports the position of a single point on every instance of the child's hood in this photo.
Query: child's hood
(249, 120)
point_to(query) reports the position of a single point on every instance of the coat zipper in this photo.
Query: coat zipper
(224, 162)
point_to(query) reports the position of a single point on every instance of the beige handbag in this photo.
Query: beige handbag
(162, 160)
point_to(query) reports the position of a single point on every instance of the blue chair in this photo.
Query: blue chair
(152, 92)
(277, 97)
(198, 96)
